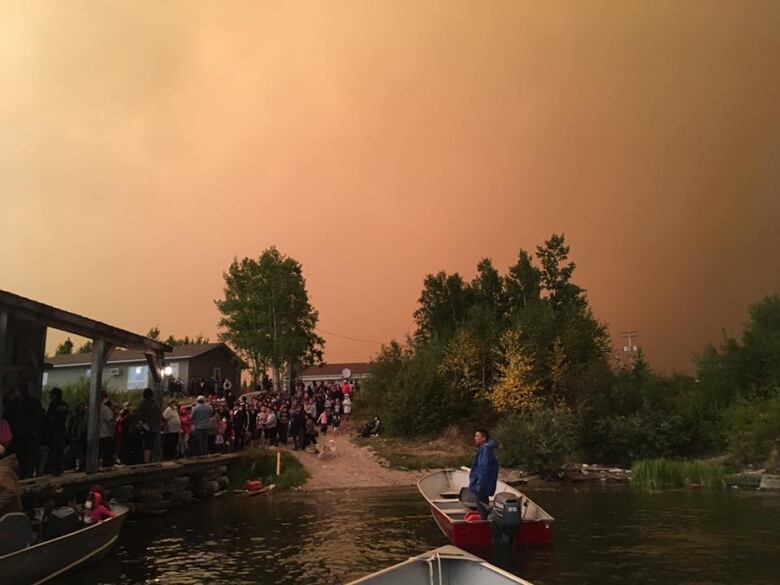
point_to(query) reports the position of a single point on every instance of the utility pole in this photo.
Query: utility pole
(629, 336)
(630, 351)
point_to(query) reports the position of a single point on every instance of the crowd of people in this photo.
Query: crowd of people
(53, 440)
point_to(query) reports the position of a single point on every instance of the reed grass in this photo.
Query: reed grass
(675, 473)
(261, 464)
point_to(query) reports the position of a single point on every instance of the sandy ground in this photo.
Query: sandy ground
(346, 465)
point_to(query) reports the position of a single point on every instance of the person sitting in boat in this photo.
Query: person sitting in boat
(97, 511)
(484, 471)
(60, 515)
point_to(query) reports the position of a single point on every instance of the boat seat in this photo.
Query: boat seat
(450, 495)
(15, 532)
(455, 511)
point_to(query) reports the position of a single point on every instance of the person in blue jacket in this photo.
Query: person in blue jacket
(484, 471)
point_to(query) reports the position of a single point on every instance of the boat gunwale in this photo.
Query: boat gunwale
(447, 552)
(440, 510)
(121, 512)
(548, 518)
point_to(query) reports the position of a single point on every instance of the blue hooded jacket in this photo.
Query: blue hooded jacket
(484, 471)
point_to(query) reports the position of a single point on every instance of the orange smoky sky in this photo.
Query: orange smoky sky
(145, 144)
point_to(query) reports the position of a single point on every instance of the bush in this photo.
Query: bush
(539, 441)
(645, 434)
(407, 391)
(752, 428)
(261, 464)
(669, 473)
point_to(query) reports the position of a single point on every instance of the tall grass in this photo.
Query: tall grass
(674, 473)
(261, 464)
(77, 392)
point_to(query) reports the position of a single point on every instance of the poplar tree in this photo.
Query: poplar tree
(267, 317)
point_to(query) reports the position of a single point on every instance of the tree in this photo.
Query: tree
(65, 348)
(487, 316)
(154, 332)
(462, 364)
(86, 347)
(444, 304)
(267, 316)
(516, 388)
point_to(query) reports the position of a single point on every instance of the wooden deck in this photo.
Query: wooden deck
(130, 474)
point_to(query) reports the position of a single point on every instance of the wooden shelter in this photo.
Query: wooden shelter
(23, 327)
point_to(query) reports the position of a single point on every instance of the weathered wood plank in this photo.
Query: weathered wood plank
(49, 316)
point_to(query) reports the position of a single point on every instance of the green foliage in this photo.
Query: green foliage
(261, 464)
(749, 368)
(528, 342)
(456, 359)
(86, 347)
(64, 348)
(77, 392)
(266, 314)
(186, 340)
(669, 473)
(539, 441)
(443, 306)
(752, 429)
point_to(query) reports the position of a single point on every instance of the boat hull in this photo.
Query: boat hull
(479, 534)
(536, 526)
(50, 559)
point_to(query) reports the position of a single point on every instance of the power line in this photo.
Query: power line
(348, 337)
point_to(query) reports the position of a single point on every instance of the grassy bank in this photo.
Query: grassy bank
(672, 473)
(261, 464)
(451, 449)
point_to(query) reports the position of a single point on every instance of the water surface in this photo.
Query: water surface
(603, 535)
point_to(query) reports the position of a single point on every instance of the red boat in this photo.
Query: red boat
(513, 515)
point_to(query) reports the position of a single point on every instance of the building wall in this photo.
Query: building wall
(202, 366)
(62, 376)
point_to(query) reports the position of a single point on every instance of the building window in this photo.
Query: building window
(137, 377)
(45, 378)
(174, 369)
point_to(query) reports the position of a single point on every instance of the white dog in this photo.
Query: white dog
(329, 450)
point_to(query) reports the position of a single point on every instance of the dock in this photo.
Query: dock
(151, 487)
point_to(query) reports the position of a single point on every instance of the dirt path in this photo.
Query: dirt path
(346, 465)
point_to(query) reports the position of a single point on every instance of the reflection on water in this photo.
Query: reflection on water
(613, 535)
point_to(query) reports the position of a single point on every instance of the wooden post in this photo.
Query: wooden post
(278, 463)
(3, 355)
(100, 352)
(157, 368)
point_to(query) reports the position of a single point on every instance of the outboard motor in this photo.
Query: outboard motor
(507, 517)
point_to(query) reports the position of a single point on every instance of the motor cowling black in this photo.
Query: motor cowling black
(506, 511)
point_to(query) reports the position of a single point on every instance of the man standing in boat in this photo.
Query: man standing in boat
(484, 471)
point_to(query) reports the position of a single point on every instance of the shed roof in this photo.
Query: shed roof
(179, 352)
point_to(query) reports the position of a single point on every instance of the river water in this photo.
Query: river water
(603, 535)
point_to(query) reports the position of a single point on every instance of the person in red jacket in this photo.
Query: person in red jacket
(97, 510)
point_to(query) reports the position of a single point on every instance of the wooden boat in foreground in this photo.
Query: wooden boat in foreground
(514, 516)
(447, 565)
(51, 558)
